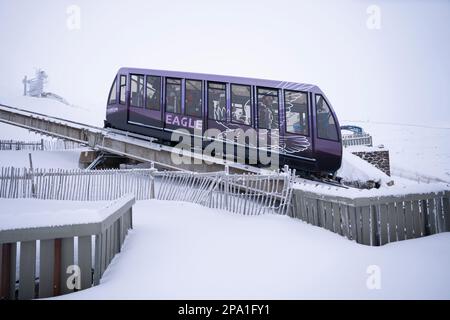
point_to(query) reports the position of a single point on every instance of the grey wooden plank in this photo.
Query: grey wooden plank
(2, 271)
(121, 236)
(328, 216)
(409, 220)
(310, 211)
(336, 218)
(416, 219)
(111, 243)
(345, 221)
(365, 218)
(108, 247)
(353, 226)
(359, 225)
(306, 209)
(104, 254)
(130, 214)
(98, 261)
(46, 265)
(400, 221)
(446, 207)
(374, 225)
(424, 216)
(85, 261)
(113, 240)
(27, 270)
(313, 204)
(431, 216)
(383, 230)
(297, 209)
(392, 220)
(67, 259)
(439, 215)
(321, 213)
(13, 276)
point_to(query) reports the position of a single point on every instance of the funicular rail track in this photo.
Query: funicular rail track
(130, 145)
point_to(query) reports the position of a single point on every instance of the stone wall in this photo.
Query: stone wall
(377, 158)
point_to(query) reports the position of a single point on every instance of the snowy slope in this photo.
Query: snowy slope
(66, 159)
(354, 168)
(184, 251)
(56, 109)
(415, 151)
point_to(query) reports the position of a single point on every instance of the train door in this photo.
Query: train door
(296, 142)
(328, 148)
(144, 103)
(268, 108)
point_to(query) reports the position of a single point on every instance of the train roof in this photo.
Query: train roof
(232, 79)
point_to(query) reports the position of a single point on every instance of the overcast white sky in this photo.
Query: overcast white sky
(399, 73)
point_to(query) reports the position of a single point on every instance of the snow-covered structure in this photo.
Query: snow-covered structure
(35, 87)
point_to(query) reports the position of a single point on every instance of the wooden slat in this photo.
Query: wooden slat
(409, 220)
(336, 218)
(98, 260)
(5, 270)
(46, 265)
(328, 217)
(384, 237)
(27, 270)
(439, 215)
(67, 259)
(85, 261)
(13, 277)
(374, 225)
(353, 227)
(431, 216)
(345, 221)
(446, 207)
(400, 221)
(313, 203)
(365, 218)
(417, 222)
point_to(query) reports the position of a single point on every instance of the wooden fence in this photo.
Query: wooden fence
(75, 185)
(246, 194)
(52, 251)
(43, 145)
(364, 139)
(378, 220)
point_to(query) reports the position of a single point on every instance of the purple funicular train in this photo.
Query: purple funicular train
(156, 103)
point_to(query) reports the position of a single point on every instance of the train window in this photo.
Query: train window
(173, 95)
(296, 106)
(137, 91)
(112, 99)
(326, 125)
(268, 108)
(217, 101)
(241, 104)
(193, 99)
(153, 93)
(123, 89)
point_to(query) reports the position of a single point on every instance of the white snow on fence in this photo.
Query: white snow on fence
(44, 145)
(246, 193)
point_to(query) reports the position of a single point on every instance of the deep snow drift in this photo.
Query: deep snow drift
(184, 251)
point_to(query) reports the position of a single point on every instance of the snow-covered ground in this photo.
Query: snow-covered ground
(65, 159)
(29, 213)
(416, 152)
(184, 251)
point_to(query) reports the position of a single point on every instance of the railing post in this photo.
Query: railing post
(5, 271)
